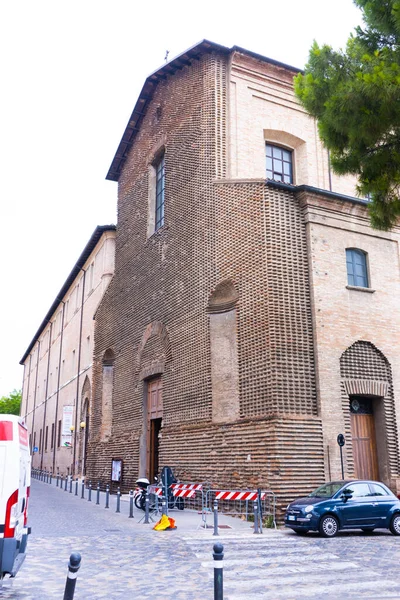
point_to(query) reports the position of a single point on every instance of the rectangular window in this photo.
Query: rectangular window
(279, 165)
(52, 436)
(59, 434)
(34, 440)
(160, 186)
(77, 297)
(40, 441)
(90, 278)
(46, 438)
(59, 322)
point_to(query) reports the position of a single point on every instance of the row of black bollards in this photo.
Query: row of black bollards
(67, 485)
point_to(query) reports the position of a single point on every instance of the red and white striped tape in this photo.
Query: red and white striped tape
(184, 493)
(228, 495)
(187, 486)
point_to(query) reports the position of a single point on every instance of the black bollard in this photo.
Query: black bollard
(66, 483)
(73, 568)
(255, 517)
(218, 556)
(107, 496)
(147, 508)
(215, 517)
(57, 480)
(131, 504)
(118, 509)
(70, 484)
(51, 475)
(83, 490)
(98, 493)
(76, 487)
(90, 492)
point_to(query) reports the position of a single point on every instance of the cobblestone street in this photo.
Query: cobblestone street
(122, 558)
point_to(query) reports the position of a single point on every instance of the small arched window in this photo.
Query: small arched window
(357, 272)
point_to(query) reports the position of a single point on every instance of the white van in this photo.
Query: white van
(15, 481)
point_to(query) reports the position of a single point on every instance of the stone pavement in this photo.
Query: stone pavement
(122, 558)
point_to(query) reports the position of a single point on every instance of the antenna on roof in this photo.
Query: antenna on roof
(166, 55)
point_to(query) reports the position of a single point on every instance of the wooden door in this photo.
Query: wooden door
(154, 420)
(364, 446)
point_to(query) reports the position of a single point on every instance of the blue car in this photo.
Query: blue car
(337, 505)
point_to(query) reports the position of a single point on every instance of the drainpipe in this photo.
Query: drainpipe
(79, 368)
(35, 391)
(329, 171)
(27, 392)
(46, 391)
(58, 385)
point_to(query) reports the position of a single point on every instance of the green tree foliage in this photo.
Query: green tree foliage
(355, 95)
(10, 405)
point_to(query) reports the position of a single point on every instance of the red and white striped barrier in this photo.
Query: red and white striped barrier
(184, 493)
(197, 487)
(155, 490)
(229, 495)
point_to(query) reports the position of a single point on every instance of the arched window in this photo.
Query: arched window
(357, 272)
(107, 394)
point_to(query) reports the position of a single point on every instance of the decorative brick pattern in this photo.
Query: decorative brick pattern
(222, 245)
(270, 255)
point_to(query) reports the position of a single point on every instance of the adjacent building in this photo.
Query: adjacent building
(57, 383)
(254, 313)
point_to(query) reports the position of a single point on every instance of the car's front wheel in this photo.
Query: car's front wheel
(328, 526)
(395, 524)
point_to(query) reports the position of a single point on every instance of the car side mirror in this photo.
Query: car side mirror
(346, 495)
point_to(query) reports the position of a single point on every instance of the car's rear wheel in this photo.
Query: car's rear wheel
(328, 526)
(300, 531)
(395, 524)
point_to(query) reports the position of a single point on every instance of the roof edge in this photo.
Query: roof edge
(178, 62)
(92, 243)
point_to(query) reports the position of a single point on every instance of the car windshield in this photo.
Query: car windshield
(327, 490)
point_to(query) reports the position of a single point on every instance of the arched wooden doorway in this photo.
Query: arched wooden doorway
(154, 423)
(363, 438)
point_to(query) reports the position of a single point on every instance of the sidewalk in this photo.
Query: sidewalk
(122, 558)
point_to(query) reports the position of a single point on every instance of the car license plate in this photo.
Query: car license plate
(291, 518)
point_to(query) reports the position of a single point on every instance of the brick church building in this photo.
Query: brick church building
(254, 313)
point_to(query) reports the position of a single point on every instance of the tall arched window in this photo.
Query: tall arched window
(357, 272)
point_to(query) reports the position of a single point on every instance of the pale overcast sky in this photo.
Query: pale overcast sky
(71, 73)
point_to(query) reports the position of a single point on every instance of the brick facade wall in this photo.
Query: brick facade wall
(274, 256)
(248, 234)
